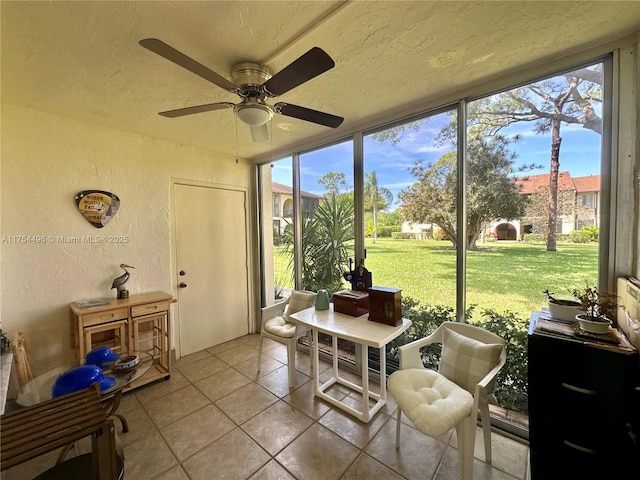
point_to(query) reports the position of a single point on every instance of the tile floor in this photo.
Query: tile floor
(217, 418)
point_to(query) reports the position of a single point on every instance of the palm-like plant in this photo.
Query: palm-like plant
(327, 243)
(376, 198)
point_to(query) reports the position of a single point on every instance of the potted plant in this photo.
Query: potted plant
(562, 309)
(598, 307)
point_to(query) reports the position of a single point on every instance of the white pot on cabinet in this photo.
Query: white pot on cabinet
(599, 326)
(565, 310)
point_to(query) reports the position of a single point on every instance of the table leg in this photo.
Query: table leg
(315, 363)
(65, 452)
(111, 406)
(334, 345)
(383, 375)
(364, 356)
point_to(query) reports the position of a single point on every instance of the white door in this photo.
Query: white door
(211, 261)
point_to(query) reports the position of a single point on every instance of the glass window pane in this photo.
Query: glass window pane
(282, 222)
(410, 220)
(326, 183)
(534, 156)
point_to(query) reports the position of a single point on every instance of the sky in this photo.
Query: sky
(579, 155)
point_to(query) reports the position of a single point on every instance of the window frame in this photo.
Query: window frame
(610, 261)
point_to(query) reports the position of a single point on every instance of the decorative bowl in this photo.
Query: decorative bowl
(126, 363)
(79, 378)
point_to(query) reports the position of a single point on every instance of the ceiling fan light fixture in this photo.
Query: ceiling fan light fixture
(254, 114)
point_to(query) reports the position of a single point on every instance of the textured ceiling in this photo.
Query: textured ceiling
(83, 60)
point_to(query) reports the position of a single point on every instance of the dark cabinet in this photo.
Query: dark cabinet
(584, 408)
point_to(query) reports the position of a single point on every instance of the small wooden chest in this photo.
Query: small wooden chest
(385, 305)
(351, 302)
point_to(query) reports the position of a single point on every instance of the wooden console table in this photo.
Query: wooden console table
(141, 322)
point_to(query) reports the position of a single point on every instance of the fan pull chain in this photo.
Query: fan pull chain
(271, 138)
(237, 159)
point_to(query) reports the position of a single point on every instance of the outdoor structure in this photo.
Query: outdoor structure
(578, 202)
(283, 206)
(422, 231)
(578, 207)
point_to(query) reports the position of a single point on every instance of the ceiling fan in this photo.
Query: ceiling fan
(254, 84)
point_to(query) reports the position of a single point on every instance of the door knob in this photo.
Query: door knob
(182, 273)
(183, 285)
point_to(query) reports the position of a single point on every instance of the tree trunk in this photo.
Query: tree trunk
(375, 222)
(556, 140)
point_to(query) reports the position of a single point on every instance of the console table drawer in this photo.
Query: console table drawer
(149, 308)
(104, 317)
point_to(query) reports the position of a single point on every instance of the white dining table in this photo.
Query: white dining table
(361, 331)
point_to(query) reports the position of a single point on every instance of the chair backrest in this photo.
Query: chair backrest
(22, 359)
(469, 353)
(299, 300)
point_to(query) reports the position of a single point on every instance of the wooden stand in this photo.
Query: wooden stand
(141, 322)
(33, 431)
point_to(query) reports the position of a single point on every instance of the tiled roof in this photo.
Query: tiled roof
(285, 190)
(587, 184)
(529, 184)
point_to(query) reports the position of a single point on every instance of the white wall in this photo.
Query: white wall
(46, 161)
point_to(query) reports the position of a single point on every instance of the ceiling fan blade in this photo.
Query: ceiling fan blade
(181, 112)
(309, 115)
(173, 55)
(306, 67)
(259, 133)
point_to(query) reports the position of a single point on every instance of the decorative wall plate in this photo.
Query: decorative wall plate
(97, 206)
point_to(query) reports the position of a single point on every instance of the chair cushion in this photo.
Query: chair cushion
(279, 326)
(466, 361)
(299, 301)
(433, 404)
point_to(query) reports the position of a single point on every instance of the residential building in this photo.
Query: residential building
(283, 206)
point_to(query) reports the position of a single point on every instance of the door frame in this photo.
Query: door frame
(251, 294)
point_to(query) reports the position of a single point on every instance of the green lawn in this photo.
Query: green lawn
(502, 276)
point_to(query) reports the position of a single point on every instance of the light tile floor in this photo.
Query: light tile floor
(218, 418)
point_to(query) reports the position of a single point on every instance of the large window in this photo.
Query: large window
(472, 210)
(326, 186)
(409, 181)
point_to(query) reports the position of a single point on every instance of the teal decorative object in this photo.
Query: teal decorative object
(322, 300)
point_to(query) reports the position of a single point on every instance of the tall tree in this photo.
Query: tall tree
(376, 198)
(327, 243)
(491, 192)
(568, 98)
(334, 182)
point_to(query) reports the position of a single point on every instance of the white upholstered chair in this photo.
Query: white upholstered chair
(275, 325)
(436, 402)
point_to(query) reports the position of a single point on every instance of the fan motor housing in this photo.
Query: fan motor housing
(249, 75)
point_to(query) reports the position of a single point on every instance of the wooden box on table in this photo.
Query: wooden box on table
(351, 302)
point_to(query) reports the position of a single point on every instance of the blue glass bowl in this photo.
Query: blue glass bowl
(79, 378)
(101, 355)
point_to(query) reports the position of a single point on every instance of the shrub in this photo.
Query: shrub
(584, 235)
(594, 231)
(385, 230)
(534, 238)
(511, 384)
(403, 235)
